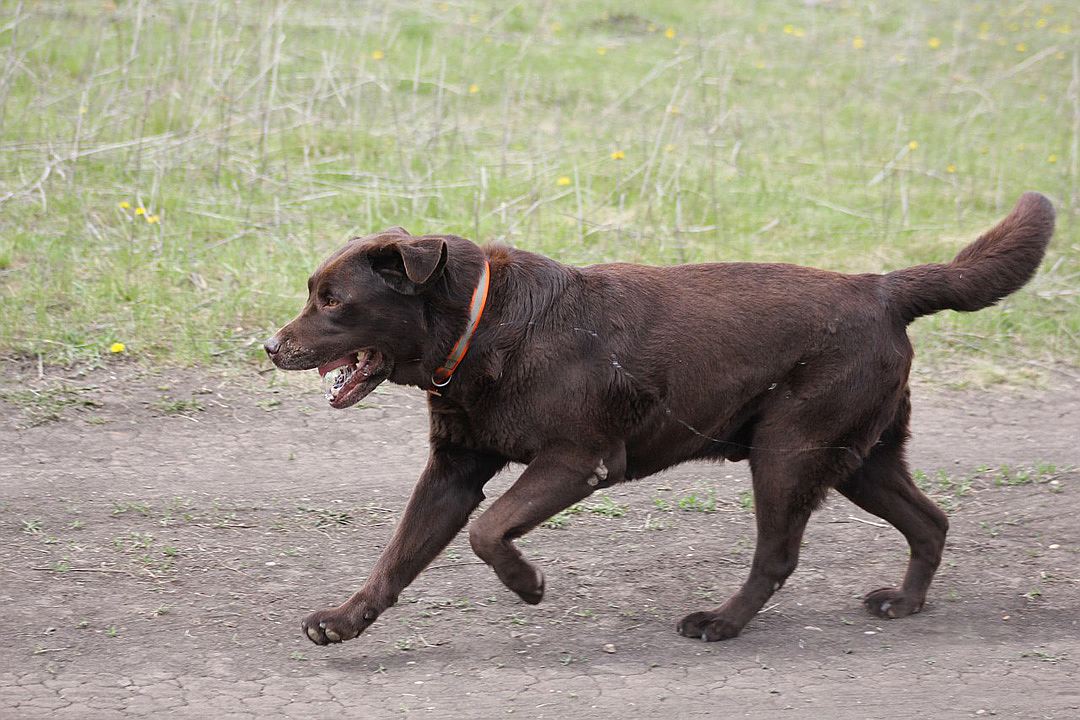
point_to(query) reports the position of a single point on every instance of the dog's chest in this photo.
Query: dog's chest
(490, 427)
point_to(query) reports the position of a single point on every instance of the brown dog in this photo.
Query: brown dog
(598, 375)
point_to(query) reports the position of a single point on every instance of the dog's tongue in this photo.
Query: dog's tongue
(350, 359)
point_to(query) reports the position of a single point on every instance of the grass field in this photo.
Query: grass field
(171, 171)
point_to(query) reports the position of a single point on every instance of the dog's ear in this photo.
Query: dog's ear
(396, 230)
(409, 265)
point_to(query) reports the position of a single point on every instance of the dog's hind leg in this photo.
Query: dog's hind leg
(884, 487)
(553, 481)
(785, 493)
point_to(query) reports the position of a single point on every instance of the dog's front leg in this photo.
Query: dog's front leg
(449, 489)
(556, 479)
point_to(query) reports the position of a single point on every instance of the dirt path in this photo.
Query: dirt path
(160, 541)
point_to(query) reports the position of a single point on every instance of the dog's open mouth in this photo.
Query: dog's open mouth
(349, 379)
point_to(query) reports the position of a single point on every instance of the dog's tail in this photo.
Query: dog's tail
(995, 265)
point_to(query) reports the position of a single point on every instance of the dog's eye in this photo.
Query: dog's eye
(331, 302)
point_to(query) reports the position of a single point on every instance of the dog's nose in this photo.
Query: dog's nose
(272, 345)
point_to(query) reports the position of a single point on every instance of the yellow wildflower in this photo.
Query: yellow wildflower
(1041, 23)
(377, 54)
(140, 211)
(1051, 158)
(473, 89)
(563, 181)
(934, 43)
(618, 155)
(1063, 28)
(858, 43)
(798, 32)
(601, 50)
(473, 19)
(950, 168)
(556, 27)
(117, 347)
(789, 29)
(124, 204)
(153, 219)
(669, 33)
(1021, 47)
(913, 145)
(673, 109)
(669, 147)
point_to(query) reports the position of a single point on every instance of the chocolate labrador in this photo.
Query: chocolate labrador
(599, 375)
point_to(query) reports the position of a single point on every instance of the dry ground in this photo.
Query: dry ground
(162, 534)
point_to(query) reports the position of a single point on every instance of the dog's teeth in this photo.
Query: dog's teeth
(334, 381)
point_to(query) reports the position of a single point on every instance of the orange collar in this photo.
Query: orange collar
(445, 372)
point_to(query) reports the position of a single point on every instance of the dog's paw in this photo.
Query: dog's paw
(708, 626)
(336, 624)
(891, 603)
(527, 581)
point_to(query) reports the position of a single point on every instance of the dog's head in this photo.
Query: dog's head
(369, 310)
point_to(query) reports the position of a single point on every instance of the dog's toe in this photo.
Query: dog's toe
(707, 626)
(891, 603)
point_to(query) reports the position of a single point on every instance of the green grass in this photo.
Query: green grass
(262, 135)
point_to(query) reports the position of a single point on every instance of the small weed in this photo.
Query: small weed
(1044, 656)
(404, 644)
(269, 403)
(162, 610)
(83, 624)
(170, 406)
(298, 656)
(557, 521)
(662, 505)
(746, 500)
(75, 525)
(1009, 476)
(112, 631)
(170, 551)
(31, 527)
(562, 518)
(47, 405)
(120, 508)
(606, 507)
(61, 566)
(327, 518)
(695, 503)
